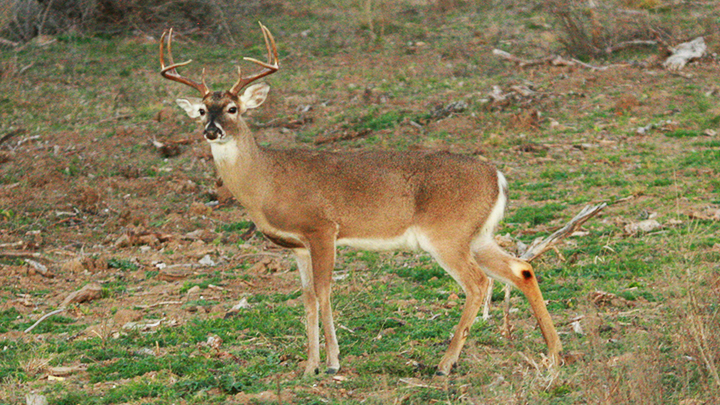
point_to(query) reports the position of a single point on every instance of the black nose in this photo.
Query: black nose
(212, 132)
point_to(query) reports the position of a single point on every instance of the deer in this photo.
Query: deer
(311, 202)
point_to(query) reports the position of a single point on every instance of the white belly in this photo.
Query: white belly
(412, 239)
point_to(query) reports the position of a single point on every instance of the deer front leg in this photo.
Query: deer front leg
(322, 251)
(310, 301)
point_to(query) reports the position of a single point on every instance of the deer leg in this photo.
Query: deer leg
(310, 301)
(468, 274)
(518, 272)
(323, 254)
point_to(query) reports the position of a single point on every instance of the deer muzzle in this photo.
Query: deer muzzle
(213, 131)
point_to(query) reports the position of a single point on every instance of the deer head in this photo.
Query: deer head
(220, 111)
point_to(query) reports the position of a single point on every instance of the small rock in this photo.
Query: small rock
(88, 293)
(35, 399)
(645, 226)
(72, 266)
(243, 304)
(207, 261)
(200, 209)
(145, 352)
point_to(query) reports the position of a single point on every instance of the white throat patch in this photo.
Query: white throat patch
(225, 151)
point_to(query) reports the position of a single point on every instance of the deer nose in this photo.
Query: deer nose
(212, 132)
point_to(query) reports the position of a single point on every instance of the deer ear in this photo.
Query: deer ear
(255, 95)
(191, 106)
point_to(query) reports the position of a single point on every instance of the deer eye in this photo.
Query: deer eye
(232, 110)
(202, 111)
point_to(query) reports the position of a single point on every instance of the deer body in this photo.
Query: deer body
(311, 202)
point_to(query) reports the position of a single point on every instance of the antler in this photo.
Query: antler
(270, 67)
(170, 72)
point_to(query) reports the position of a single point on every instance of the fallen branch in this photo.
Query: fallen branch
(12, 133)
(540, 246)
(343, 136)
(22, 254)
(159, 304)
(554, 60)
(87, 293)
(629, 44)
(7, 42)
(519, 61)
(44, 317)
(588, 66)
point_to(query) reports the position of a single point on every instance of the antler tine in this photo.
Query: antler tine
(170, 72)
(272, 53)
(270, 67)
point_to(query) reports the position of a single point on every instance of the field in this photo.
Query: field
(105, 184)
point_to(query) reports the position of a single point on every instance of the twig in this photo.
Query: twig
(11, 134)
(17, 244)
(519, 61)
(24, 68)
(271, 254)
(538, 247)
(115, 118)
(157, 304)
(344, 136)
(44, 317)
(629, 44)
(554, 60)
(7, 42)
(44, 17)
(224, 21)
(23, 255)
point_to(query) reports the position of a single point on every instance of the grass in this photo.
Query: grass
(647, 303)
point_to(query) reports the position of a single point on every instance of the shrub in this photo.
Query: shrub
(588, 29)
(22, 20)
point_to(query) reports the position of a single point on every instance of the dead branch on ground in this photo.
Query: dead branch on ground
(7, 42)
(44, 317)
(22, 254)
(630, 44)
(87, 293)
(554, 60)
(12, 133)
(680, 54)
(334, 136)
(540, 246)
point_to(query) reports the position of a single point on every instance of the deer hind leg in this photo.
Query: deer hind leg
(463, 268)
(310, 301)
(519, 273)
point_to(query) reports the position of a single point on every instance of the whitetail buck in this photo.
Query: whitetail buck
(311, 202)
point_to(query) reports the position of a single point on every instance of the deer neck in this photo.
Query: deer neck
(239, 162)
